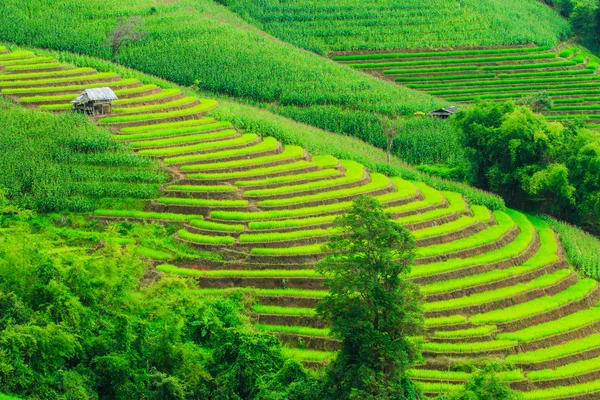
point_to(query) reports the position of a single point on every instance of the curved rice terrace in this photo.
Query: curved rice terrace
(570, 77)
(496, 283)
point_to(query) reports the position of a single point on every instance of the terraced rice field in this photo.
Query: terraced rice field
(497, 74)
(496, 283)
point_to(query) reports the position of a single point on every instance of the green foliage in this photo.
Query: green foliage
(53, 163)
(371, 308)
(533, 163)
(485, 385)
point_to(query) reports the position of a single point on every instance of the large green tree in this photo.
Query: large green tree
(371, 307)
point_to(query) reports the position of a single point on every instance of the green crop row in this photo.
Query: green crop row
(454, 61)
(273, 237)
(202, 202)
(268, 143)
(266, 292)
(74, 88)
(571, 89)
(576, 292)
(94, 77)
(160, 95)
(354, 172)
(261, 309)
(466, 333)
(204, 239)
(444, 321)
(435, 69)
(576, 100)
(513, 249)
(547, 73)
(298, 330)
(457, 205)
(205, 105)
(561, 350)
(577, 107)
(167, 151)
(153, 254)
(227, 133)
(308, 355)
(203, 188)
(145, 215)
(468, 347)
(268, 273)
(489, 235)
(438, 53)
(563, 391)
(529, 66)
(545, 256)
(430, 78)
(431, 195)
(31, 60)
(32, 66)
(288, 153)
(481, 214)
(298, 165)
(505, 82)
(151, 107)
(215, 226)
(378, 181)
(172, 132)
(168, 125)
(17, 54)
(568, 370)
(438, 387)
(45, 74)
(290, 223)
(324, 173)
(506, 376)
(297, 250)
(500, 293)
(561, 325)
(136, 89)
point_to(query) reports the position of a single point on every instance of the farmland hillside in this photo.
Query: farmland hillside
(201, 41)
(496, 281)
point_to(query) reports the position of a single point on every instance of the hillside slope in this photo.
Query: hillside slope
(321, 26)
(496, 282)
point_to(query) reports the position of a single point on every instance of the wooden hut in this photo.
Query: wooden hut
(443, 112)
(96, 101)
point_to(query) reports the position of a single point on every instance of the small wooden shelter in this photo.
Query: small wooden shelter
(443, 112)
(96, 101)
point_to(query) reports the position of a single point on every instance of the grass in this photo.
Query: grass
(378, 56)
(204, 239)
(466, 333)
(267, 144)
(203, 188)
(224, 134)
(468, 347)
(308, 355)
(175, 131)
(289, 152)
(438, 387)
(202, 202)
(562, 391)
(273, 237)
(297, 165)
(204, 106)
(575, 292)
(215, 226)
(561, 325)
(169, 151)
(378, 181)
(153, 254)
(506, 376)
(298, 330)
(146, 215)
(260, 309)
(500, 293)
(561, 350)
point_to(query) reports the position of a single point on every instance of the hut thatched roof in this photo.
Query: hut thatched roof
(447, 111)
(96, 94)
